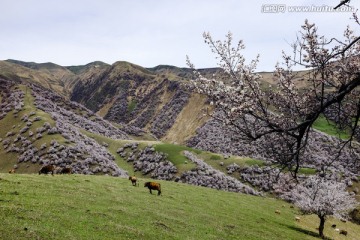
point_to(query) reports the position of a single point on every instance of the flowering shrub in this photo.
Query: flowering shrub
(148, 161)
(207, 176)
(12, 99)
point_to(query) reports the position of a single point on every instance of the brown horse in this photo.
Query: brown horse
(46, 169)
(153, 186)
(133, 180)
(66, 170)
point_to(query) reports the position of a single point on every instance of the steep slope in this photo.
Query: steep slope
(152, 99)
(83, 73)
(128, 93)
(157, 101)
(40, 127)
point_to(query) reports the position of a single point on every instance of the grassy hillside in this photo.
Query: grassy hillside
(329, 127)
(49, 75)
(174, 154)
(100, 207)
(118, 92)
(13, 123)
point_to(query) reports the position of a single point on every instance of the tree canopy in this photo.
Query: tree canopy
(281, 116)
(323, 198)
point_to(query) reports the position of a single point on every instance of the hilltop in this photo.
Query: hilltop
(123, 93)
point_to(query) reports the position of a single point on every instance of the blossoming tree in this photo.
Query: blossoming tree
(323, 198)
(281, 116)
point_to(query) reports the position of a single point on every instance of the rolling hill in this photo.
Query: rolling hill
(41, 127)
(148, 104)
(49, 75)
(123, 119)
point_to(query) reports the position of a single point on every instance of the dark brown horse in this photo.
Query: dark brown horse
(66, 170)
(46, 169)
(153, 186)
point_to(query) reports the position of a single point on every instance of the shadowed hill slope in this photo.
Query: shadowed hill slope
(130, 94)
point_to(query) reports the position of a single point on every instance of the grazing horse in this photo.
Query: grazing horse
(12, 171)
(153, 186)
(46, 169)
(66, 170)
(133, 180)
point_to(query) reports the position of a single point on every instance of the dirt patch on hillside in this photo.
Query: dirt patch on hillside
(191, 117)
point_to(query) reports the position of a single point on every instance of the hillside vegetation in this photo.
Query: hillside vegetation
(156, 130)
(152, 99)
(13, 124)
(101, 207)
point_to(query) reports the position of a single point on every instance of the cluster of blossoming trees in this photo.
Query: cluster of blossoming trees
(156, 165)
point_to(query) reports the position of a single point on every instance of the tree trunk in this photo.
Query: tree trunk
(321, 226)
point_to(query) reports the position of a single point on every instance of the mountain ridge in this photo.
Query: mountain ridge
(141, 103)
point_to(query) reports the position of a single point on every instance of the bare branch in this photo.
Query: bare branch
(341, 3)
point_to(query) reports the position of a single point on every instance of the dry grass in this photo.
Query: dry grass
(49, 79)
(300, 78)
(191, 117)
(106, 107)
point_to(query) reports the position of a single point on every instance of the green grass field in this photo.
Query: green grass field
(102, 207)
(323, 125)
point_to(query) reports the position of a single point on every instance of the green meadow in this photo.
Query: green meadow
(102, 207)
